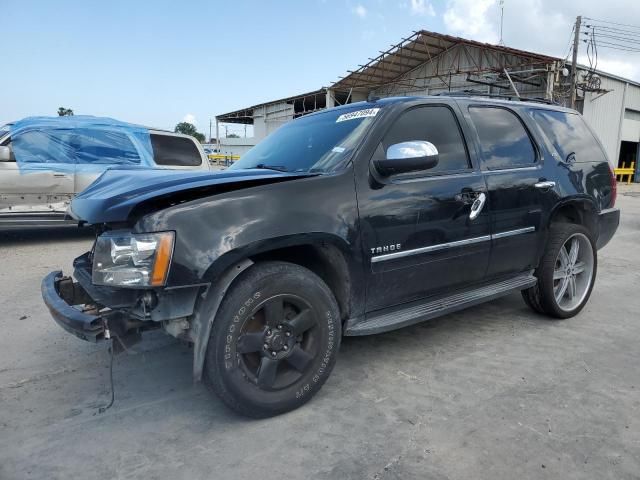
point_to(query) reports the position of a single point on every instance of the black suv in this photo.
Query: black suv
(352, 221)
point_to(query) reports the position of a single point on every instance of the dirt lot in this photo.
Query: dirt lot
(495, 392)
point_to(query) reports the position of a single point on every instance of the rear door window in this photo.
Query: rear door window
(435, 124)
(569, 135)
(504, 141)
(175, 151)
(100, 147)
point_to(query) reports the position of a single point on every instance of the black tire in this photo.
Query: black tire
(531, 297)
(541, 297)
(241, 371)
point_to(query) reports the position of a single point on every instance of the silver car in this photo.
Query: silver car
(65, 156)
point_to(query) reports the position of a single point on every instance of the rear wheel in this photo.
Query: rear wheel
(566, 273)
(274, 340)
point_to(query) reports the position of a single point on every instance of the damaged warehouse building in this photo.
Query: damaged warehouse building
(429, 63)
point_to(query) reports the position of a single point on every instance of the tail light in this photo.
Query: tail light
(614, 186)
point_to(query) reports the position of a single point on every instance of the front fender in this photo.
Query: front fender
(214, 232)
(205, 314)
(265, 245)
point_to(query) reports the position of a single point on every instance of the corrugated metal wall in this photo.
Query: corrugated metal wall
(416, 83)
(605, 113)
(268, 118)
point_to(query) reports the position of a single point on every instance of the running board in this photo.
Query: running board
(415, 312)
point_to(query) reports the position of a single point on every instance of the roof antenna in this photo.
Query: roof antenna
(501, 4)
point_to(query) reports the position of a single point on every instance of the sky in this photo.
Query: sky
(161, 62)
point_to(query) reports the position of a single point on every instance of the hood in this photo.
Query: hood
(117, 192)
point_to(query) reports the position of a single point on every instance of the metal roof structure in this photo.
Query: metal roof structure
(446, 56)
(303, 103)
(430, 47)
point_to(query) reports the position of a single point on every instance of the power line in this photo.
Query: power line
(612, 38)
(617, 46)
(612, 23)
(613, 30)
(615, 38)
(570, 43)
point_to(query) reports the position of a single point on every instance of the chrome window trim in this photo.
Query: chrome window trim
(529, 167)
(443, 246)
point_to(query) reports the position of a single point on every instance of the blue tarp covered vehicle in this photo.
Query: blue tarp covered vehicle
(46, 161)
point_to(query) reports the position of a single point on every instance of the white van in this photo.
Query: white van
(64, 156)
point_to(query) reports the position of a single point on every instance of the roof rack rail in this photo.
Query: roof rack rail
(478, 93)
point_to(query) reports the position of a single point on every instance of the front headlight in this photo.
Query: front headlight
(127, 259)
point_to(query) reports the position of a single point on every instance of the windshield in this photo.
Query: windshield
(317, 143)
(4, 129)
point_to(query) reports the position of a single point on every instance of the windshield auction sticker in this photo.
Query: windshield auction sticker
(369, 112)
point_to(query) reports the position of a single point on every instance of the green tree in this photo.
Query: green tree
(65, 112)
(233, 135)
(187, 128)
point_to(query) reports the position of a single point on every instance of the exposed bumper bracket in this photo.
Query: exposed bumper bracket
(59, 294)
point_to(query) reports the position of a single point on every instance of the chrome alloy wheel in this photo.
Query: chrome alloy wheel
(573, 272)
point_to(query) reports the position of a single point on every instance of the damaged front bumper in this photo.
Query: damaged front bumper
(93, 312)
(61, 296)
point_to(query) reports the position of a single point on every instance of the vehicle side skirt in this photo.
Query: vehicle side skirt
(403, 315)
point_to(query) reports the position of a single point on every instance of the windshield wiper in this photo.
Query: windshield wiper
(277, 168)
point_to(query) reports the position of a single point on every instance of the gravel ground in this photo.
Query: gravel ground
(495, 392)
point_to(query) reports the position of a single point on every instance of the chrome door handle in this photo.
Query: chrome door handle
(545, 185)
(477, 205)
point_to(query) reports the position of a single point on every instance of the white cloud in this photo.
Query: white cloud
(190, 118)
(622, 68)
(471, 18)
(543, 26)
(359, 10)
(422, 7)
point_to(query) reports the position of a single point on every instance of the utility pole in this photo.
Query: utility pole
(501, 4)
(210, 122)
(574, 62)
(217, 136)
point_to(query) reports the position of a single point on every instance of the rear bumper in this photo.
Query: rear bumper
(608, 221)
(82, 325)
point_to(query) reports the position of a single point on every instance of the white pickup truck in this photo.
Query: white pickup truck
(45, 162)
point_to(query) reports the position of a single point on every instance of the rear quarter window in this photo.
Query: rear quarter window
(569, 135)
(175, 151)
(504, 141)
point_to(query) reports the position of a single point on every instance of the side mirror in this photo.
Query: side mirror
(6, 155)
(408, 157)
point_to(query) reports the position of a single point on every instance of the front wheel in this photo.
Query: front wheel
(566, 273)
(274, 340)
